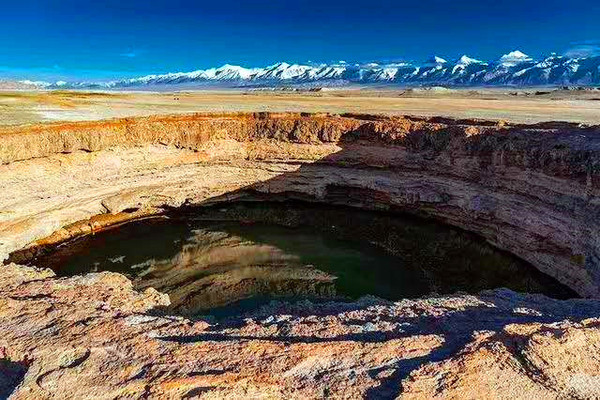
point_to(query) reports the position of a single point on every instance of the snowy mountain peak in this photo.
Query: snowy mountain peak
(514, 68)
(517, 54)
(437, 60)
(466, 60)
(466, 63)
(280, 66)
(514, 58)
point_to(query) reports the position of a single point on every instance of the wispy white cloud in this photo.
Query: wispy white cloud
(129, 54)
(586, 48)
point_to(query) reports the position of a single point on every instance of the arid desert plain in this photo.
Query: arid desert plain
(516, 105)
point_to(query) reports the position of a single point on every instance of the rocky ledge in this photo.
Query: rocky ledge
(532, 190)
(94, 337)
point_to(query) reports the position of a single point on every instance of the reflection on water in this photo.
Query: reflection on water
(225, 260)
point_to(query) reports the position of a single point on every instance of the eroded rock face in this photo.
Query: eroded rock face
(532, 190)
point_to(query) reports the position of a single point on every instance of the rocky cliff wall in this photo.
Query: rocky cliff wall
(533, 190)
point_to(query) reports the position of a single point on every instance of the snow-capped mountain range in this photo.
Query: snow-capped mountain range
(512, 69)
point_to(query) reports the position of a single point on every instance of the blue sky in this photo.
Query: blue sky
(68, 39)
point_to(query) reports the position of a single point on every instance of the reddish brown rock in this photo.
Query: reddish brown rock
(95, 337)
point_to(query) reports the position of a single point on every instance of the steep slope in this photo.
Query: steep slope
(529, 189)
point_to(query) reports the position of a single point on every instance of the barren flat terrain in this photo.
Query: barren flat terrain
(523, 106)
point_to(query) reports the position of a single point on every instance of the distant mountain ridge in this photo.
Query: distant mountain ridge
(512, 69)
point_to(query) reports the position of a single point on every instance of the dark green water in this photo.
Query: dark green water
(223, 260)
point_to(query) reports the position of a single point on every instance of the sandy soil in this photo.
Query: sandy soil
(23, 107)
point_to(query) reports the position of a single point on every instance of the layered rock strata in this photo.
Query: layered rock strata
(532, 190)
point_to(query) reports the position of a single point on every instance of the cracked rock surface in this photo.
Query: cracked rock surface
(95, 337)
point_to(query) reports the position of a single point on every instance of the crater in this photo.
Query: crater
(530, 190)
(231, 258)
(226, 212)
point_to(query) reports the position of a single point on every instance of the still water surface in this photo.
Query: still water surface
(224, 260)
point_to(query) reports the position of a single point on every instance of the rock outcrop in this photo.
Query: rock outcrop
(532, 190)
(94, 337)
